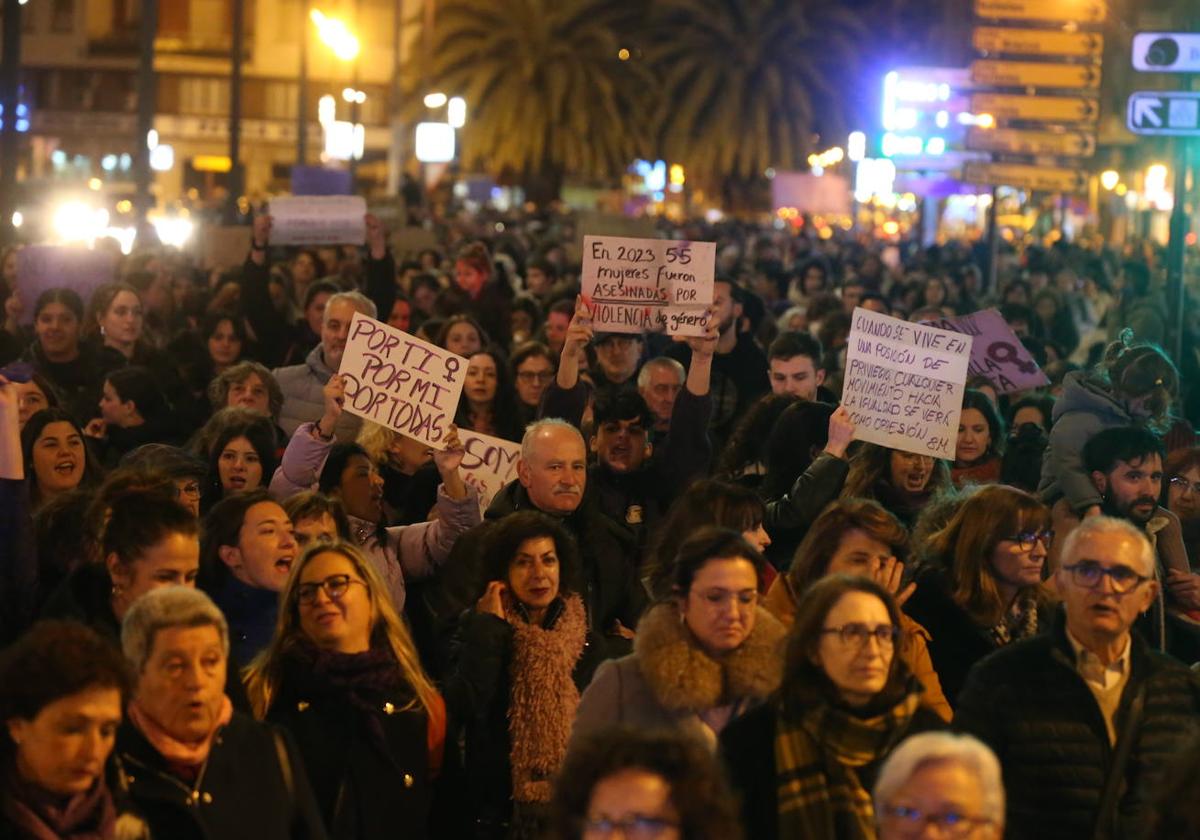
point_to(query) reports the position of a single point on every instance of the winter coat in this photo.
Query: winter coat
(747, 749)
(361, 791)
(789, 517)
(1029, 704)
(251, 613)
(610, 589)
(669, 679)
(401, 552)
(1085, 409)
(303, 389)
(479, 700)
(780, 601)
(253, 786)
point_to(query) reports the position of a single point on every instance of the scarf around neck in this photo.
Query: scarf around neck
(38, 815)
(544, 695)
(818, 751)
(175, 751)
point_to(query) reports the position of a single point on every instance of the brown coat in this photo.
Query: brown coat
(914, 645)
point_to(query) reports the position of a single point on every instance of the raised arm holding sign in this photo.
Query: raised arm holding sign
(401, 382)
(318, 220)
(904, 383)
(648, 285)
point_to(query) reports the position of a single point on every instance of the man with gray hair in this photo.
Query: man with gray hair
(944, 780)
(303, 385)
(659, 382)
(1084, 717)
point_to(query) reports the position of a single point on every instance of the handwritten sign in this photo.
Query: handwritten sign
(42, 267)
(490, 463)
(399, 381)
(222, 246)
(318, 220)
(648, 285)
(904, 383)
(997, 353)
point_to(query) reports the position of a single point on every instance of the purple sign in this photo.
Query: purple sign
(42, 267)
(317, 180)
(997, 353)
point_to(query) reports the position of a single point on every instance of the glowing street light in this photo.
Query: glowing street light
(1109, 178)
(335, 35)
(456, 111)
(435, 100)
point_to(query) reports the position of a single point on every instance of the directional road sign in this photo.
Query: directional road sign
(1012, 141)
(1037, 42)
(1048, 179)
(1159, 112)
(1039, 74)
(1077, 11)
(1167, 52)
(1065, 109)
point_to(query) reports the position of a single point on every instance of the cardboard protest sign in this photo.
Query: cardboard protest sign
(42, 267)
(997, 353)
(318, 220)
(222, 246)
(402, 382)
(904, 383)
(489, 464)
(648, 285)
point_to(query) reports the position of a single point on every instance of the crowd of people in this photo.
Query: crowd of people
(704, 610)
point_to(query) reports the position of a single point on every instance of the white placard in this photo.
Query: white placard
(318, 220)
(399, 381)
(904, 383)
(648, 285)
(490, 463)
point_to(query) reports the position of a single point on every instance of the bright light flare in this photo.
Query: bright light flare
(435, 100)
(335, 35)
(75, 221)
(173, 230)
(456, 111)
(1109, 179)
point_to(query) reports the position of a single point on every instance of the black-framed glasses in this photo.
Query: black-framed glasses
(190, 489)
(335, 587)
(632, 827)
(1089, 573)
(1182, 484)
(857, 634)
(912, 821)
(1026, 539)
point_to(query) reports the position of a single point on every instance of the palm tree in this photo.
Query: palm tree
(745, 84)
(547, 86)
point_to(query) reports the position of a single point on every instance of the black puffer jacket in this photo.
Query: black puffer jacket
(1029, 704)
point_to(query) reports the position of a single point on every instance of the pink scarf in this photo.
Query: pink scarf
(176, 752)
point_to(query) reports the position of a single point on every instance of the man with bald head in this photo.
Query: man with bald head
(551, 478)
(1084, 718)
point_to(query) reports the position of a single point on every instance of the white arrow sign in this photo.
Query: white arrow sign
(1167, 52)
(1164, 112)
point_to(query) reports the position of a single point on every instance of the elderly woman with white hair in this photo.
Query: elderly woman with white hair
(942, 781)
(192, 766)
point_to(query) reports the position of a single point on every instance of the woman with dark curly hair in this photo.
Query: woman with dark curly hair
(651, 784)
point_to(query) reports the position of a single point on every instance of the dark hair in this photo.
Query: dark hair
(213, 320)
(476, 255)
(424, 279)
(310, 504)
(67, 297)
(1017, 312)
(804, 681)
(34, 426)
(871, 464)
(142, 518)
(320, 287)
(622, 404)
(562, 307)
(545, 266)
(996, 432)
(336, 463)
(53, 660)
(102, 299)
(319, 267)
(527, 351)
(1044, 403)
(505, 417)
(260, 432)
(812, 558)
(530, 306)
(795, 343)
(171, 461)
(748, 443)
(712, 543)
(699, 792)
(455, 320)
(137, 384)
(1126, 443)
(222, 527)
(801, 431)
(505, 537)
(1139, 369)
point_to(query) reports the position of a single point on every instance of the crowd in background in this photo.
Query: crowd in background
(231, 608)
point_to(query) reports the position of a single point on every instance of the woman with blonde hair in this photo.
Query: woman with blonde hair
(979, 585)
(405, 464)
(343, 677)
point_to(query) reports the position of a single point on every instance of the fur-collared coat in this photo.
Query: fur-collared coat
(669, 680)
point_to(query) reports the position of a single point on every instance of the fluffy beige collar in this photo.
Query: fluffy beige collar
(684, 678)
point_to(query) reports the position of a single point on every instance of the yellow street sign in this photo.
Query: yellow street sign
(1077, 11)
(1066, 109)
(1037, 74)
(1044, 178)
(1013, 141)
(1037, 42)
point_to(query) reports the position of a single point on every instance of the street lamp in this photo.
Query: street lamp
(344, 44)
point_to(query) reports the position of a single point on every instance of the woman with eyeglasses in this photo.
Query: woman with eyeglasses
(804, 764)
(1182, 474)
(703, 656)
(343, 677)
(978, 586)
(903, 482)
(533, 368)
